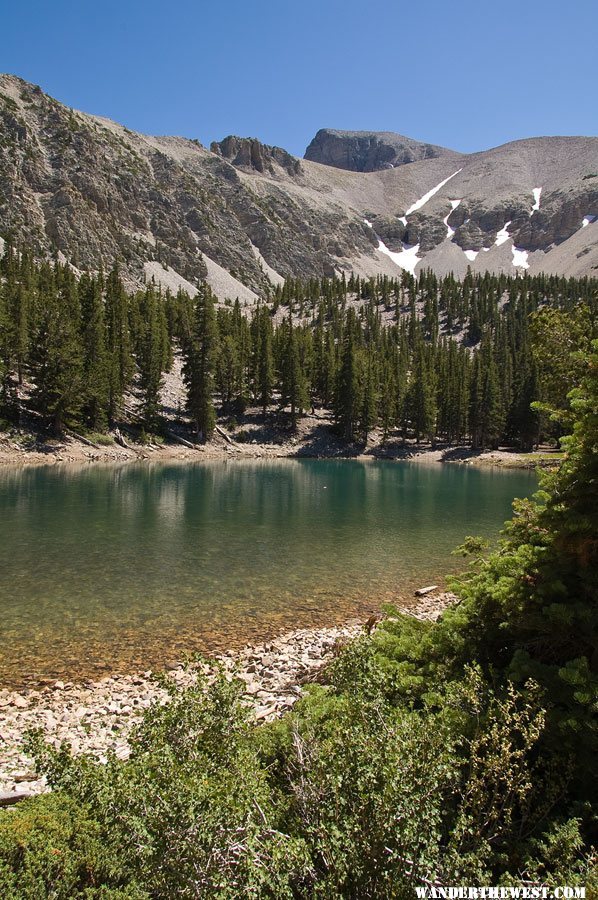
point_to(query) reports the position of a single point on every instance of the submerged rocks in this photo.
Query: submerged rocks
(97, 717)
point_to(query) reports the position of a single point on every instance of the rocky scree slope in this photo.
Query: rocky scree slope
(244, 215)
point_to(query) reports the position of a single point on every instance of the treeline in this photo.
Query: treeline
(427, 358)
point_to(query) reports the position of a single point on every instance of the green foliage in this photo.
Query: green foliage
(53, 847)
(353, 794)
(200, 363)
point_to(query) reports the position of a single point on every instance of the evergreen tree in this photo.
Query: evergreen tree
(294, 392)
(421, 401)
(228, 374)
(200, 365)
(120, 359)
(263, 358)
(96, 369)
(348, 400)
(369, 403)
(152, 354)
(56, 359)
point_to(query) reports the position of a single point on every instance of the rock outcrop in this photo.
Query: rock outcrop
(249, 153)
(369, 151)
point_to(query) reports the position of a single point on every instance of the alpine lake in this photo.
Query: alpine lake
(126, 568)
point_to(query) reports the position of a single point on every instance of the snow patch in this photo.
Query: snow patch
(503, 235)
(536, 192)
(520, 258)
(368, 223)
(423, 200)
(403, 219)
(587, 220)
(406, 258)
(450, 231)
(2, 246)
(471, 254)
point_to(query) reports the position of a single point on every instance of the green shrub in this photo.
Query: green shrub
(52, 846)
(99, 437)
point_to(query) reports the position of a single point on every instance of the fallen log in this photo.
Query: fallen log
(421, 592)
(226, 436)
(83, 440)
(182, 441)
(9, 798)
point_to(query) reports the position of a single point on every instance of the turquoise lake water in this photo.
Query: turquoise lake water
(127, 567)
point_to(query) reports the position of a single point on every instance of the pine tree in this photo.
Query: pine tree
(200, 365)
(228, 371)
(421, 401)
(96, 370)
(263, 358)
(348, 398)
(294, 392)
(369, 403)
(152, 354)
(120, 358)
(56, 360)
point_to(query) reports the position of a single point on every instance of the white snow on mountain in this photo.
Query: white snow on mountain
(423, 200)
(450, 231)
(406, 258)
(503, 235)
(520, 258)
(587, 220)
(471, 254)
(536, 192)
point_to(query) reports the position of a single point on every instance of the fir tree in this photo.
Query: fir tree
(294, 392)
(348, 398)
(56, 360)
(120, 359)
(96, 369)
(200, 365)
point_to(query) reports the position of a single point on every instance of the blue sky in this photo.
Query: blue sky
(468, 75)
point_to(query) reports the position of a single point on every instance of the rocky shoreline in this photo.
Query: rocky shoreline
(98, 716)
(72, 452)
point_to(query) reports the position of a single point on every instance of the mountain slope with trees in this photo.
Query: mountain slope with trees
(425, 360)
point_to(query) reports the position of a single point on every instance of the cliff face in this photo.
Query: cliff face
(244, 214)
(365, 151)
(251, 154)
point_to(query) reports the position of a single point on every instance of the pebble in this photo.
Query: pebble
(96, 717)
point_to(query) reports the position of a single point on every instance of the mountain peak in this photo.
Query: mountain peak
(369, 151)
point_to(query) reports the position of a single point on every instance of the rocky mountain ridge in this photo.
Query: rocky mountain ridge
(370, 151)
(244, 215)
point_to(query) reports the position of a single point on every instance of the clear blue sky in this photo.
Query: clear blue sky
(468, 74)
